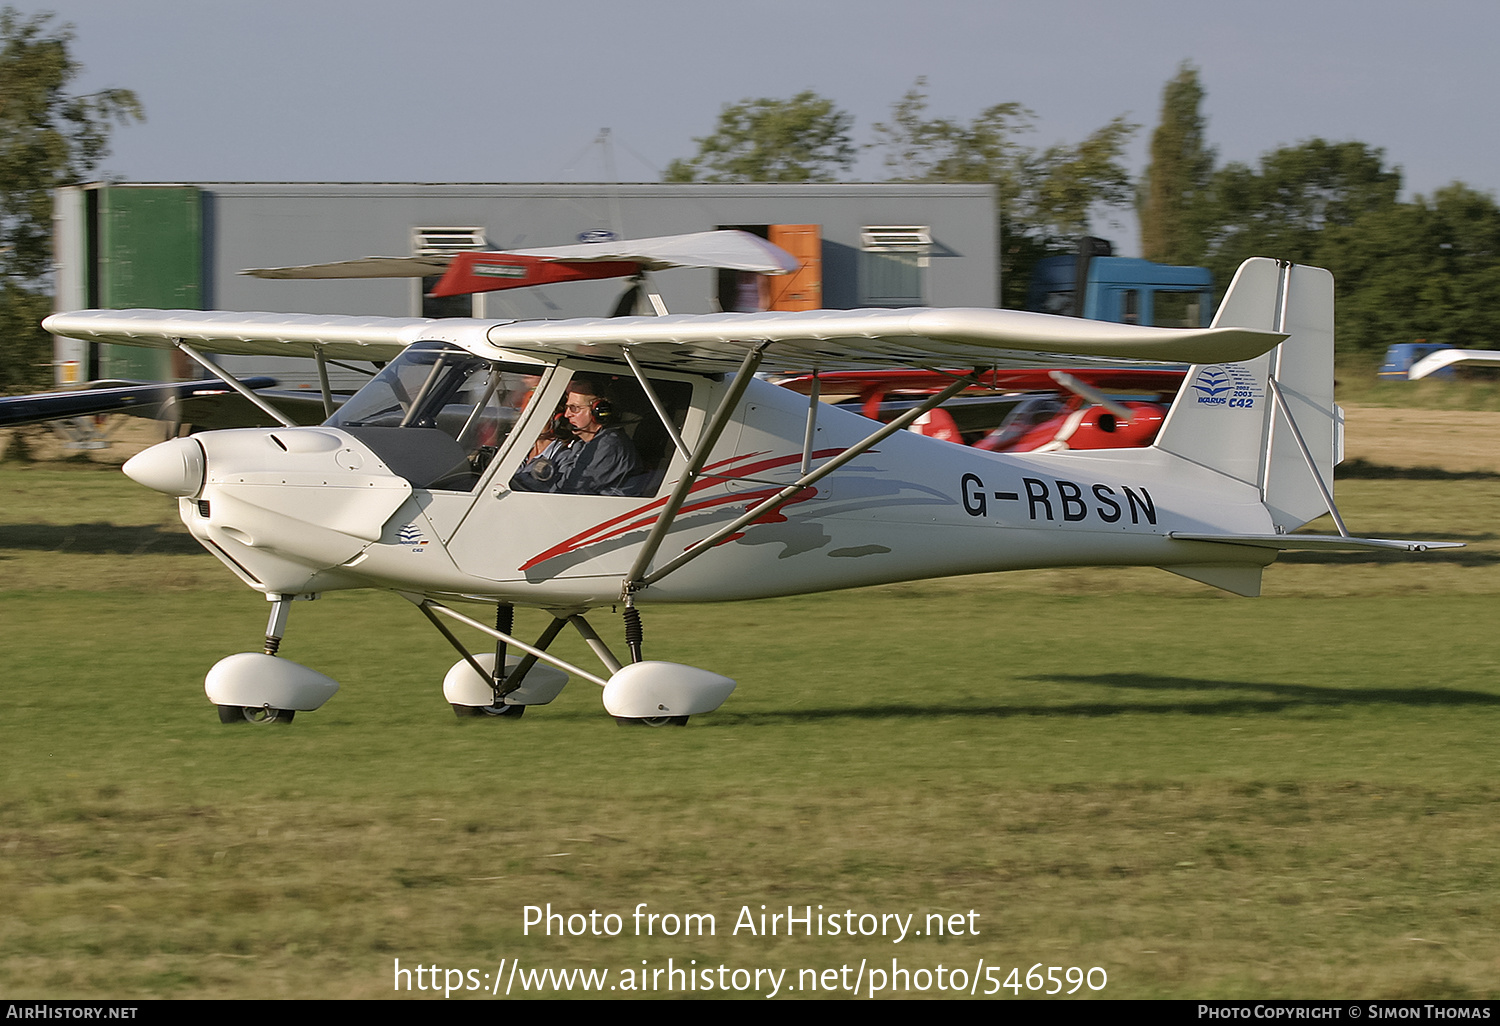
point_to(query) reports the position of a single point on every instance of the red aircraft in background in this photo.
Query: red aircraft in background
(1017, 411)
(466, 273)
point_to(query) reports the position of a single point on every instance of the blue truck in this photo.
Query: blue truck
(1126, 290)
(1400, 357)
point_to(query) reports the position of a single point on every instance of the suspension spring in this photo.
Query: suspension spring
(505, 623)
(634, 632)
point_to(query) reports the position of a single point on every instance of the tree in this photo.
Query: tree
(1045, 200)
(48, 138)
(804, 139)
(1332, 205)
(919, 149)
(1173, 191)
(1425, 269)
(1069, 182)
(1402, 271)
(1283, 207)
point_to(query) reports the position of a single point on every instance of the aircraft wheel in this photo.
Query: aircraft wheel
(651, 721)
(510, 712)
(250, 714)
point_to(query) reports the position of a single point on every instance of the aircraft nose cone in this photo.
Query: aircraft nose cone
(176, 467)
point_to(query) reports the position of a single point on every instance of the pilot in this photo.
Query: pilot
(600, 459)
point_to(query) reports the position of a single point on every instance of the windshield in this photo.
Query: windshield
(437, 414)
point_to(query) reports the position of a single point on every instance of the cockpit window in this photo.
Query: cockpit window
(438, 414)
(1027, 415)
(605, 438)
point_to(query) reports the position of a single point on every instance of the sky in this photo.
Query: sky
(505, 91)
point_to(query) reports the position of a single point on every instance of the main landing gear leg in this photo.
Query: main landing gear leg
(591, 637)
(642, 692)
(635, 636)
(505, 623)
(500, 683)
(635, 633)
(512, 681)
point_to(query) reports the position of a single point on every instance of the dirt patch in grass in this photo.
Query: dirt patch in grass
(1460, 441)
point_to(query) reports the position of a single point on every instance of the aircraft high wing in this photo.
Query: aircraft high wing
(145, 399)
(622, 462)
(1434, 362)
(469, 272)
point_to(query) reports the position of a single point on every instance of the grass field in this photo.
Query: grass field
(1201, 795)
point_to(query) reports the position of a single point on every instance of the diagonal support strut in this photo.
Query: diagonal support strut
(722, 416)
(785, 495)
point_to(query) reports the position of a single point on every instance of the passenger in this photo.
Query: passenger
(599, 460)
(551, 456)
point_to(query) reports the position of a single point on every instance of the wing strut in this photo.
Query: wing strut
(323, 382)
(1090, 394)
(635, 582)
(357, 370)
(648, 286)
(813, 396)
(229, 379)
(722, 415)
(661, 411)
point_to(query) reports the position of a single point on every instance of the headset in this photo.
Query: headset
(602, 409)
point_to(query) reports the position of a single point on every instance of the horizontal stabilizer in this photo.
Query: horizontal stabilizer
(1329, 542)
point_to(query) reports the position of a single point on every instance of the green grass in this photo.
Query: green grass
(1475, 388)
(1205, 796)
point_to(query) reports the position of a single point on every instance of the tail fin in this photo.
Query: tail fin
(1227, 416)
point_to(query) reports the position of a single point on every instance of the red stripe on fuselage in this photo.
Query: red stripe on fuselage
(638, 519)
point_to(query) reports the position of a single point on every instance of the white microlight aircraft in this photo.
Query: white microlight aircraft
(450, 479)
